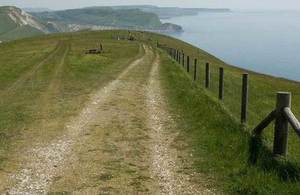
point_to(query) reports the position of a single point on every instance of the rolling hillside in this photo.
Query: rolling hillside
(101, 17)
(131, 120)
(15, 23)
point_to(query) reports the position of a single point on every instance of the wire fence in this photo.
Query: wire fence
(214, 79)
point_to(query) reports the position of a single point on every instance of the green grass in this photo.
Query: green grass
(223, 150)
(262, 92)
(42, 96)
(20, 32)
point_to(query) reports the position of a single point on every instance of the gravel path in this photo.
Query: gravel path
(120, 143)
(166, 166)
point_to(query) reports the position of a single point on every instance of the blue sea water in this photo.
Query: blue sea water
(263, 41)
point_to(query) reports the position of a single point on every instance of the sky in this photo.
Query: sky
(233, 4)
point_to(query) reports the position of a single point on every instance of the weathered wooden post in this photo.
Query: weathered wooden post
(174, 54)
(179, 57)
(221, 83)
(195, 69)
(188, 64)
(280, 146)
(244, 105)
(177, 54)
(183, 59)
(207, 75)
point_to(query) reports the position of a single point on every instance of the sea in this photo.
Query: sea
(262, 41)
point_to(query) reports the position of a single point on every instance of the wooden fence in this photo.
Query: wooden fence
(282, 113)
(282, 116)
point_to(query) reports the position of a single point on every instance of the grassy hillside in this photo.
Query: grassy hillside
(222, 148)
(20, 32)
(39, 95)
(5, 22)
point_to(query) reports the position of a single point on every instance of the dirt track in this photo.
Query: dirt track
(120, 143)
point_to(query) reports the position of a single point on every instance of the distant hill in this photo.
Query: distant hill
(97, 17)
(102, 16)
(37, 9)
(169, 12)
(16, 23)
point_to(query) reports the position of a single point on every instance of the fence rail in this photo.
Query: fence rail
(180, 57)
(282, 115)
(289, 115)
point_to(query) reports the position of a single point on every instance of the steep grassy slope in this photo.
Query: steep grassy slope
(222, 149)
(5, 22)
(262, 90)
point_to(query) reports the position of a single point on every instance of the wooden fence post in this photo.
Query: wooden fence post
(207, 75)
(221, 83)
(195, 70)
(188, 64)
(174, 54)
(280, 146)
(244, 105)
(183, 59)
(179, 57)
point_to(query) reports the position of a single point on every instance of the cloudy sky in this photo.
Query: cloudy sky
(234, 4)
